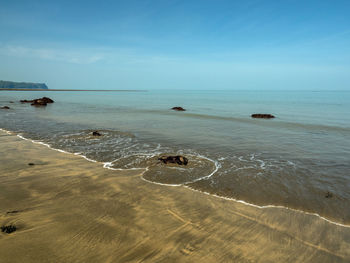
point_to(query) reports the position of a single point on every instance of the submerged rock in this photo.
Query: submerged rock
(178, 159)
(262, 116)
(8, 229)
(178, 108)
(96, 133)
(31, 164)
(5, 108)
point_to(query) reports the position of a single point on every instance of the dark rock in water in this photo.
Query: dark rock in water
(47, 100)
(262, 116)
(8, 229)
(5, 108)
(328, 195)
(178, 108)
(178, 159)
(39, 102)
(11, 102)
(96, 133)
(31, 164)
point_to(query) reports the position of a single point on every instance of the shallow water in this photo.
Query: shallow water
(291, 161)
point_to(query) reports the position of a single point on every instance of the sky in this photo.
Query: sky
(163, 44)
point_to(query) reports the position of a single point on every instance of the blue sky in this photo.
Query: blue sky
(288, 45)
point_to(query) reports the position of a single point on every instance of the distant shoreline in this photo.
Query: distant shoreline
(74, 90)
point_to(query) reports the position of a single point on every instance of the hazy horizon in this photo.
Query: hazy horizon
(184, 45)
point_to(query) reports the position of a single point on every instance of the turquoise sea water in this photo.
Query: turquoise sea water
(291, 161)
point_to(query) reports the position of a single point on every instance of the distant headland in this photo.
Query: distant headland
(28, 86)
(22, 85)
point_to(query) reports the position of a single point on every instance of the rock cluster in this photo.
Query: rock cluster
(39, 102)
(178, 159)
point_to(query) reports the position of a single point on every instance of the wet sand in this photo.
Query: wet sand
(67, 209)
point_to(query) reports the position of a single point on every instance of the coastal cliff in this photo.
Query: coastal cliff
(21, 85)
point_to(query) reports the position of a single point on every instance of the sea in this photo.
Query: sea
(299, 160)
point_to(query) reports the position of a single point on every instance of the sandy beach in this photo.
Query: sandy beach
(67, 209)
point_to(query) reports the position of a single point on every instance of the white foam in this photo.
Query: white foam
(217, 166)
(149, 155)
(8, 132)
(108, 165)
(177, 168)
(86, 158)
(244, 167)
(262, 163)
(42, 143)
(291, 163)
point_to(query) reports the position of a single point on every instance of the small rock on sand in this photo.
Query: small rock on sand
(328, 195)
(8, 229)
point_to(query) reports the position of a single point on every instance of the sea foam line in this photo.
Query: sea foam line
(105, 165)
(60, 150)
(268, 206)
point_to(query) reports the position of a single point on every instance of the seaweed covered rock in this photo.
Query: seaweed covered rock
(262, 116)
(178, 159)
(178, 108)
